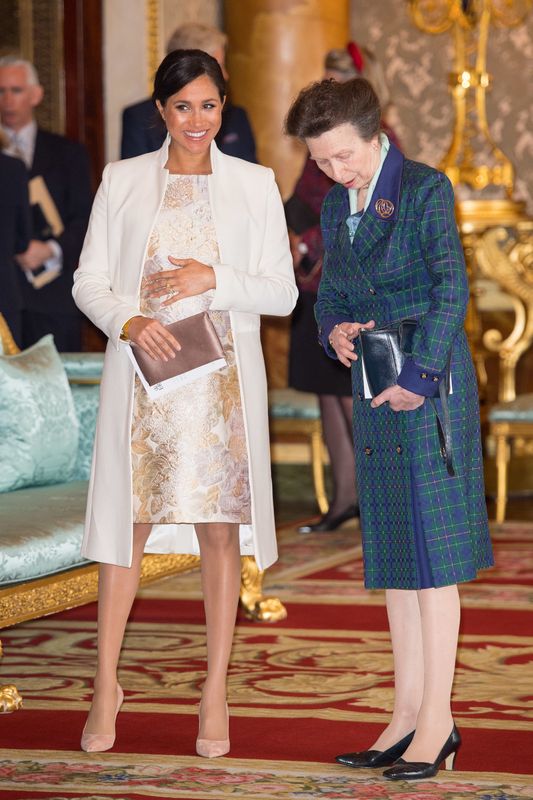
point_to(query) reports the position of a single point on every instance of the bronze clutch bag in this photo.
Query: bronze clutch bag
(201, 353)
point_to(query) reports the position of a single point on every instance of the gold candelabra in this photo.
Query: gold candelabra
(473, 157)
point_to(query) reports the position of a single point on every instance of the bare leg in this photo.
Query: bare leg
(221, 579)
(336, 414)
(117, 587)
(406, 635)
(440, 615)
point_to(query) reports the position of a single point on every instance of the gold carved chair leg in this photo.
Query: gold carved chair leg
(256, 606)
(10, 699)
(318, 470)
(502, 461)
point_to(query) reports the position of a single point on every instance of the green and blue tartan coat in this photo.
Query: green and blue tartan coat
(406, 261)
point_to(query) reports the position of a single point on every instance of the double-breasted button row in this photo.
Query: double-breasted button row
(369, 450)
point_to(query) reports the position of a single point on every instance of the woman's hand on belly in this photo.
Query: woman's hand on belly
(153, 338)
(342, 336)
(191, 278)
(398, 398)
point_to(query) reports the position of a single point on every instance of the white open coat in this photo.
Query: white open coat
(255, 277)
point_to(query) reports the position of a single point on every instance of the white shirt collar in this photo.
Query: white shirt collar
(22, 142)
(352, 193)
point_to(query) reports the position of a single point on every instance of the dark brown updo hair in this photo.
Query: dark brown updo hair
(326, 104)
(180, 67)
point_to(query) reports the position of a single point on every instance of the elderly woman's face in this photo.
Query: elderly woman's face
(193, 115)
(345, 157)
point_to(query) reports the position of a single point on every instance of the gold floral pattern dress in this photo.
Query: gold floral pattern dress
(189, 455)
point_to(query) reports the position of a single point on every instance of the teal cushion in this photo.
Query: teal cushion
(83, 367)
(519, 410)
(86, 398)
(288, 403)
(41, 530)
(38, 423)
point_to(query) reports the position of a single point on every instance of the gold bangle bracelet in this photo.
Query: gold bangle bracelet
(124, 333)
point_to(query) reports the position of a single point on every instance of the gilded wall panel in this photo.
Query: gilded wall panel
(33, 29)
(416, 66)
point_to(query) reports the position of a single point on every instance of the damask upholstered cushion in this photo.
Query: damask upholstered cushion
(518, 410)
(83, 367)
(85, 398)
(289, 403)
(38, 423)
(41, 531)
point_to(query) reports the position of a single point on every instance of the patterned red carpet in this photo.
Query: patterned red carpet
(300, 691)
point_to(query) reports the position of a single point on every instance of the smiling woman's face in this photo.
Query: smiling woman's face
(344, 156)
(193, 116)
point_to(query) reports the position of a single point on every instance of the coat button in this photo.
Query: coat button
(372, 291)
(399, 449)
(435, 379)
(344, 295)
(423, 375)
(368, 451)
(360, 395)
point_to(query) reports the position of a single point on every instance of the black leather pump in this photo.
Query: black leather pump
(376, 758)
(330, 523)
(419, 770)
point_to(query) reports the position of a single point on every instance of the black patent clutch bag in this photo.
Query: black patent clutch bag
(384, 351)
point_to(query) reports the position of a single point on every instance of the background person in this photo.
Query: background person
(195, 463)
(142, 130)
(15, 232)
(64, 167)
(392, 252)
(310, 370)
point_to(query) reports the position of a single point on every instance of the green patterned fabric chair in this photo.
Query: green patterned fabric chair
(510, 423)
(295, 415)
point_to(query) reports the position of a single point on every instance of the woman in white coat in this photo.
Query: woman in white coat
(172, 233)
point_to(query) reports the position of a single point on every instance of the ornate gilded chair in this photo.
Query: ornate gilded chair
(506, 258)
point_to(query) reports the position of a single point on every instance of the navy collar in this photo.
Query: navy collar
(385, 201)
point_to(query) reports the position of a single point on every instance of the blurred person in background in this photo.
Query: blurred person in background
(310, 370)
(142, 130)
(15, 231)
(63, 166)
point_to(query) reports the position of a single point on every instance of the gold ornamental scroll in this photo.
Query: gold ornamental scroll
(275, 48)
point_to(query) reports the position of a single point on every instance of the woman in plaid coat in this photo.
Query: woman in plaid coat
(392, 252)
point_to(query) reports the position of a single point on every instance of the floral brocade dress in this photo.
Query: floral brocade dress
(188, 448)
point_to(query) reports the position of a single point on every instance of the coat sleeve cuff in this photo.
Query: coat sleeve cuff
(419, 380)
(324, 330)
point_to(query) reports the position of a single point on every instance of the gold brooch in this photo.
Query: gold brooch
(384, 208)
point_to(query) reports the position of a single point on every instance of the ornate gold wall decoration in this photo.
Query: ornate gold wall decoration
(473, 157)
(33, 29)
(477, 167)
(152, 41)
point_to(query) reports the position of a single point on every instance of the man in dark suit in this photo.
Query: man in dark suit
(142, 128)
(15, 232)
(54, 249)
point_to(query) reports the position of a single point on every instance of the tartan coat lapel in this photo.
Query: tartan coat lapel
(377, 223)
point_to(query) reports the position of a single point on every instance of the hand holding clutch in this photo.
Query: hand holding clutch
(153, 337)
